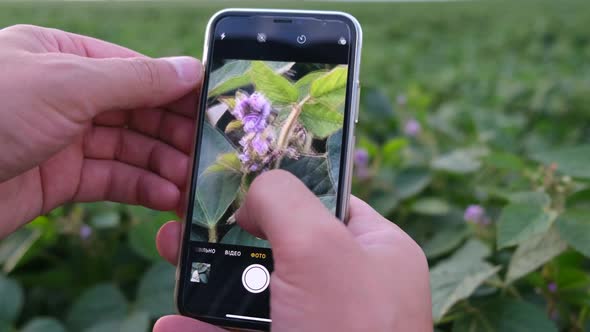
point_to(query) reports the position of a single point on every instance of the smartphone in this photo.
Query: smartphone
(280, 91)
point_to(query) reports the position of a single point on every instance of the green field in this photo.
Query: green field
(500, 92)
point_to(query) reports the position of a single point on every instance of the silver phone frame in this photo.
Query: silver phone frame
(352, 119)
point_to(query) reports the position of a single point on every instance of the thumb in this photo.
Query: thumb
(140, 82)
(280, 208)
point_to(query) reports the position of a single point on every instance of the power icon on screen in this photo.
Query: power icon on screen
(301, 39)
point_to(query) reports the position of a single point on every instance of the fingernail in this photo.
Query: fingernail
(187, 68)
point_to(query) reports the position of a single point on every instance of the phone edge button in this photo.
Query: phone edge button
(358, 100)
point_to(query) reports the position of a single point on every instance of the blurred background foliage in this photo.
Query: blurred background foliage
(474, 137)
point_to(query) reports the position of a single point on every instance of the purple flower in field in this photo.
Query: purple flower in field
(253, 111)
(260, 145)
(412, 128)
(552, 287)
(361, 163)
(476, 214)
(361, 157)
(85, 232)
(257, 151)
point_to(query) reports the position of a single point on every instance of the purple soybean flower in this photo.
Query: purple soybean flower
(361, 157)
(260, 145)
(475, 214)
(552, 287)
(361, 163)
(85, 232)
(257, 151)
(412, 128)
(253, 111)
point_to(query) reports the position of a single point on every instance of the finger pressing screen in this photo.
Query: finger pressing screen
(279, 207)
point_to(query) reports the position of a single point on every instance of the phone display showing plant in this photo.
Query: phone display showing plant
(261, 116)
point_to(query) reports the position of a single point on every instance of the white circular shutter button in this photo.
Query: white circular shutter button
(256, 278)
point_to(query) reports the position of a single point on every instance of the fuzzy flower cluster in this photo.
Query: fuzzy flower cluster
(85, 232)
(412, 128)
(253, 111)
(257, 143)
(476, 214)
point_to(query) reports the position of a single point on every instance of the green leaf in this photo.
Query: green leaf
(106, 219)
(226, 162)
(234, 125)
(530, 197)
(333, 81)
(571, 161)
(535, 252)
(136, 322)
(155, 294)
(411, 181)
(334, 100)
(393, 149)
(472, 250)
(142, 237)
(11, 299)
(229, 85)
(520, 222)
(574, 228)
(230, 102)
(304, 83)
(43, 324)
(445, 241)
(376, 110)
(210, 208)
(384, 201)
(104, 326)
(238, 236)
(431, 206)
(273, 85)
(329, 202)
(459, 161)
(457, 277)
(14, 247)
(213, 144)
(230, 76)
(218, 176)
(334, 147)
(505, 315)
(502, 160)
(320, 120)
(6, 327)
(104, 302)
(312, 171)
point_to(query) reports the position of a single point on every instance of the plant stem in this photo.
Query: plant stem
(213, 234)
(288, 127)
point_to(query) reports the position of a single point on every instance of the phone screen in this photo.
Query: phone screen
(277, 96)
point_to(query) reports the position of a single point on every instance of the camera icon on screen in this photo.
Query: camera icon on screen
(261, 37)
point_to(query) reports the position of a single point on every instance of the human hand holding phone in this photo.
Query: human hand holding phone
(86, 120)
(367, 276)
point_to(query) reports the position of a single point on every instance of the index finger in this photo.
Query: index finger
(85, 46)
